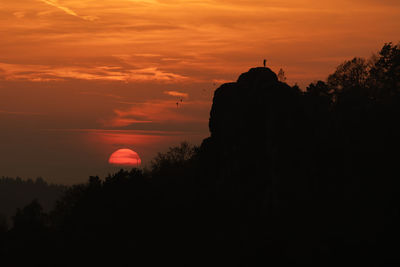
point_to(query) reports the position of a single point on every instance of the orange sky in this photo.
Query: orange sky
(82, 78)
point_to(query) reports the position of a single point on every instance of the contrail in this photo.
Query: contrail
(66, 9)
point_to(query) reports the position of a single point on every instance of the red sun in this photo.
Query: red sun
(126, 157)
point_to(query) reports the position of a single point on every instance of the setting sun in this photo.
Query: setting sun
(125, 157)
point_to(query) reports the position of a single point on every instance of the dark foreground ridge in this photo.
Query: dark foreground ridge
(285, 178)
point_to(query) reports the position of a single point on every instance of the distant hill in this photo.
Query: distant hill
(17, 193)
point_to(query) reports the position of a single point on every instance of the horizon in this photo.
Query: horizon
(82, 79)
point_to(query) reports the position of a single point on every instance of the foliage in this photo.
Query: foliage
(319, 89)
(29, 218)
(281, 75)
(385, 73)
(175, 158)
(349, 75)
(376, 78)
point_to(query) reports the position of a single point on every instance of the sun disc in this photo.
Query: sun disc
(125, 157)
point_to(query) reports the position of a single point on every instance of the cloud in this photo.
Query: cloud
(19, 14)
(67, 10)
(160, 112)
(41, 73)
(154, 74)
(55, 4)
(176, 93)
(121, 122)
(94, 93)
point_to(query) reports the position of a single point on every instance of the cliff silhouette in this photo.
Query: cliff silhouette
(258, 129)
(257, 155)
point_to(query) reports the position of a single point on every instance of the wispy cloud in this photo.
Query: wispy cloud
(160, 111)
(176, 93)
(19, 14)
(94, 93)
(107, 73)
(67, 10)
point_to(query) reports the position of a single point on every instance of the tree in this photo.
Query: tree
(350, 77)
(319, 88)
(30, 217)
(281, 75)
(385, 73)
(175, 157)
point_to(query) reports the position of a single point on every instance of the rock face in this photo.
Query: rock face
(235, 103)
(249, 120)
(253, 158)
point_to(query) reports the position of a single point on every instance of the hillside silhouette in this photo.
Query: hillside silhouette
(16, 193)
(287, 177)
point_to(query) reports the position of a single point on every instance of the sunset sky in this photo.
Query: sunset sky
(80, 79)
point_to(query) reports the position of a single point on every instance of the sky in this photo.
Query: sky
(80, 79)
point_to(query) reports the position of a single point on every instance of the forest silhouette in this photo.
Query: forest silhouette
(286, 177)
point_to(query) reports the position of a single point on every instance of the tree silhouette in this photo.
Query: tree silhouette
(319, 89)
(281, 75)
(174, 161)
(385, 73)
(30, 217)
(349, 79)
